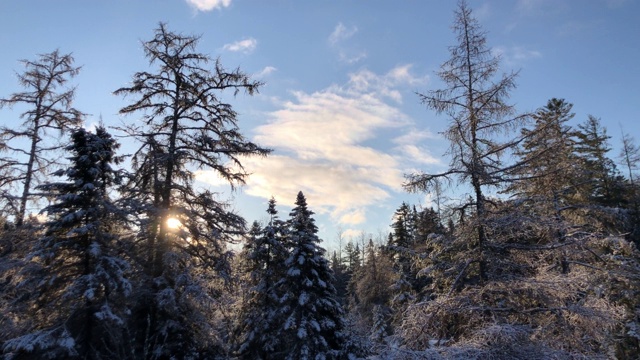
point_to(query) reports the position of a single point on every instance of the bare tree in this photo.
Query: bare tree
(630, 155)
(475, 102)
(48, 108)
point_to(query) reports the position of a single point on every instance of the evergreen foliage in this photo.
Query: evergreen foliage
(264, 254)
(81, 286)
(538, 258)
(313, 323)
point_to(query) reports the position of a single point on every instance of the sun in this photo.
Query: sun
(173, 223)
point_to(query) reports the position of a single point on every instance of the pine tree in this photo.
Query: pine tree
(48, 109)
(264, 255)
(312, 319)
(81, 290)
(185, 127)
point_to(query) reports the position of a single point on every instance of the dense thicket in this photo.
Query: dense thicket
(538, 260)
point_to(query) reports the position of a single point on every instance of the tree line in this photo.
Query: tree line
(535, 257)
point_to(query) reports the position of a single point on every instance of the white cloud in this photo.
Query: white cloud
(351, 57)
(341, 33)
(208, 5)
(388, 85)
(246, 45)
(328, 144)
(323, 146)
(346, 54)
(266, 71)
(515, 55)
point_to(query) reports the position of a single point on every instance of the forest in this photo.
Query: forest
(128, 257)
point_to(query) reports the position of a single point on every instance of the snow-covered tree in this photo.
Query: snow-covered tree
(312, 321)
(264, 255)
(480, 120)
(373, 283)
(48, 109)
(185, 126)
(81, 288)
(504, 284)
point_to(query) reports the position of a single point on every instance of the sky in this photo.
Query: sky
(339, 104)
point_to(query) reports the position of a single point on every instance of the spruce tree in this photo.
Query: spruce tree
(312, 319)
(264, 255)
(602, 184)
(80, 292)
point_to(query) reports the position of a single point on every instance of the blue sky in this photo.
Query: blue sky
(339, 105)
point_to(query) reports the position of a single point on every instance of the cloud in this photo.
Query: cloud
(346, 54)
(246, 45)
(482, 12)
(329, 145)
(388, 85)
(266, 71)
(341, 33)
(515, 55)
(208, 5)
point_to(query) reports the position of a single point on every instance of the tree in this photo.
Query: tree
(312, 318)
(602, 184)
(81, 289)
(264, 254)
(630, 155)
(478, 118)
(49, 109)
(373, 283)
(549, 170)
(401, 250)
(185, 126)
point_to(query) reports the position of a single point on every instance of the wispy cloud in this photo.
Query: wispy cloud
(346, 54)
(246, 45)
(341, 33)
(323, 145)
(266, 71)
(515, 55)
(387, 85)
(208, 5)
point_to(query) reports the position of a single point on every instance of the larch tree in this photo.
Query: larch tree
(185, 126)
(474, 99)
(630, 158)
(48, 109)
(82, 285)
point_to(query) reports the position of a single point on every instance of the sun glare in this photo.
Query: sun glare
(173, 223)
